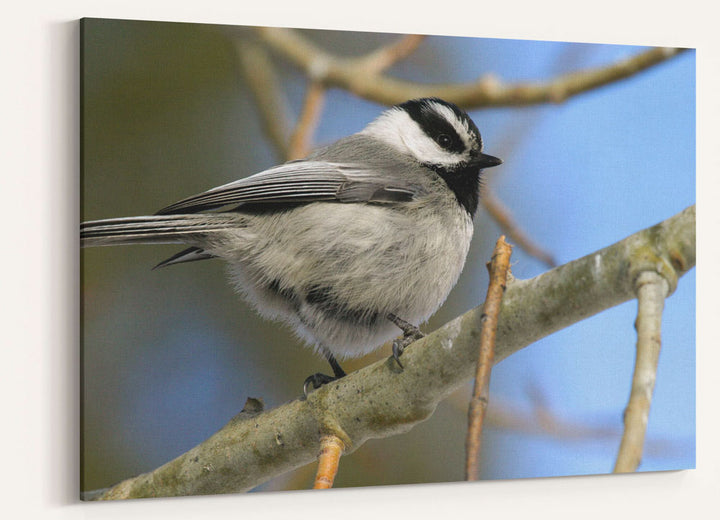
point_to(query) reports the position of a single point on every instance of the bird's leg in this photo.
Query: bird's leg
(410, 334)
(317, 380)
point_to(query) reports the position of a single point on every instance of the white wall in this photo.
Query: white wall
(38, 321)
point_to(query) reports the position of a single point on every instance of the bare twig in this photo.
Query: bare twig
(258, 70)
(372, 63)
(378, 401)
(347, 73)
(499, 271)
(309, 117)
(504, 218)
(541, 420)
(331, 448)
(652, 289)
(385, 57)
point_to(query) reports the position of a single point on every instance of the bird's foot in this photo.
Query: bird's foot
(316, 381)
(411, 333)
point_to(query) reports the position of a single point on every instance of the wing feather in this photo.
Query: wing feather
(300, 181)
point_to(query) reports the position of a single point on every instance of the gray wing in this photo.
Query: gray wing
(302, 181)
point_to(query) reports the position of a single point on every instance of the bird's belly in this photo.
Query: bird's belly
(335, 273)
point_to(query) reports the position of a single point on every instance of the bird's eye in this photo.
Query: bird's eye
(443, 140)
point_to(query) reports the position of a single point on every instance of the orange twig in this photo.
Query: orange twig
(331, 448)
(499, 268)
(300, 139)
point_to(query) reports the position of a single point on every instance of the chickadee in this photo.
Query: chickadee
(363, 236)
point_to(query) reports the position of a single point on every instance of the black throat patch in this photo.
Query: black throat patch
(464, 181)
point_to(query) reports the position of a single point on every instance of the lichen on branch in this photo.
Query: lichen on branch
(381, 400)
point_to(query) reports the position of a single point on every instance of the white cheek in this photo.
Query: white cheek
(398, 129)
(425, 149)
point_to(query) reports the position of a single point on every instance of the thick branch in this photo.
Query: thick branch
(349, 74)
(380, 400)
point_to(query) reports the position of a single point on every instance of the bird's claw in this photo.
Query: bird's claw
(397, 350)
(399, 345)
(317, 380)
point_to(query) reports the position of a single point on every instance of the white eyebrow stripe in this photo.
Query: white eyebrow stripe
(460, 126)
(401, 131)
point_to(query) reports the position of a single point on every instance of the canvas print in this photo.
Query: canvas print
(293, 278)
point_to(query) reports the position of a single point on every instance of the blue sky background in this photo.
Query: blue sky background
(169, 356)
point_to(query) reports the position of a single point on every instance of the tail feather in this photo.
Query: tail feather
(155, 229)
(191, 254)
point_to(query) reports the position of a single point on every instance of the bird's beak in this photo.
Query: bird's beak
(487, 161)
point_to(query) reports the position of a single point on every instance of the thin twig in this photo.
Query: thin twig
(259, 73)
(504, 219)
(385, 57)
(540, 420)
(372, 63)
(347, 73)
(652, 289)
(499, 271)
(312, 108)
(260, 77)
(331, 448)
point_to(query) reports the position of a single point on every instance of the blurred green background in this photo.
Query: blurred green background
(169, 356)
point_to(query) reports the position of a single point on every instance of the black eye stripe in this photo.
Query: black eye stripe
(441, 132)
(436, 126)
